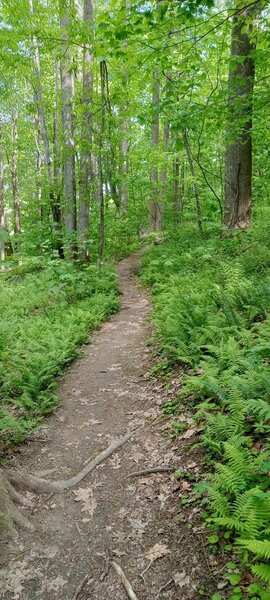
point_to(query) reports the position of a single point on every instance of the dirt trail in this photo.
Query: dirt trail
(102, 396)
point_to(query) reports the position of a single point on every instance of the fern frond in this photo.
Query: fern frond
(262, 571)
(219, 502)
(258, 547)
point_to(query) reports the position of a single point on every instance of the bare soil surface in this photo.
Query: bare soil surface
(137, 521)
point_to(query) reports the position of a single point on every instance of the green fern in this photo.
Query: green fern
(262, 571)
(259, 547)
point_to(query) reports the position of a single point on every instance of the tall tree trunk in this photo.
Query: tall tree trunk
(124, 130)
(38, 171)
(195, 184)
(14, 178)
(238, 159)
(155, 213)
(40, 105)
(164, 172)
(178, 189)
(123, 191)
(86, 174)
(53, 196)
(103, 79)
(67, 91)
(3, 226)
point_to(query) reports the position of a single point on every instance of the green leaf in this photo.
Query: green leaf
(213, 539)
(234, 578)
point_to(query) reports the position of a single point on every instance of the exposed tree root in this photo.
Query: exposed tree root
(9, 514)
(130, 592)
(10, 517)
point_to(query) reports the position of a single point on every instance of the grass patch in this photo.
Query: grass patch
(46, 315)
(212, 315)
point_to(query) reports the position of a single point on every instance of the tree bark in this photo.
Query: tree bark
(40, 104)
(38, 170)
(123, 192)
(178, 189)
(14, 178)
(124, 130)
(103, 78)
(3, 225)
(155, 212)
(195, 184)
(164, 172)
(67, 92)
(238, 158)
(52, 191)
(86, 172)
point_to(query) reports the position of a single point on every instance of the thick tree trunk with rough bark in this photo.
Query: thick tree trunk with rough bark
(86, 172)
(238, 159)
(155, 212)
(67, 92)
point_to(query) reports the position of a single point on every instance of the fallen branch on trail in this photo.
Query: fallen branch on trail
(9, 514)
(79, 594)
(130, 592)
(151, 471)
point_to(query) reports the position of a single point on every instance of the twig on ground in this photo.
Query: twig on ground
(164, 587)
(145, 571)
(79, 589)
(152, 470)
(130, 592)
(107, 564)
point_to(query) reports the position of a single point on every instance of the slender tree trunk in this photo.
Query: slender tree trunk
(195, 184)
(238, 159)
(124, 130)
(123, 192)
(155, 212)
(103, 77)
(40, 104)
(38, 171)
(86, 174)
(53, 196)
(14, 178)
(178, 189)
(164, 172)
(3, 226)
(67, 91)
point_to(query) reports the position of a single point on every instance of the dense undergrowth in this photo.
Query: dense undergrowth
(47, 309)
(212, 316)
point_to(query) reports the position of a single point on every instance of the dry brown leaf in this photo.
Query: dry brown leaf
(189, 433)
(86, 496)
(181, 579)
(157, 551)
(185, 486)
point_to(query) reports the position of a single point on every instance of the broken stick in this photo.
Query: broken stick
(130, 592)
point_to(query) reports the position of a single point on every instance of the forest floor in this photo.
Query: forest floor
(103, 395)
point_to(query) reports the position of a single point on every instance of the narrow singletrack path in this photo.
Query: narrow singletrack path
(103, 395)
